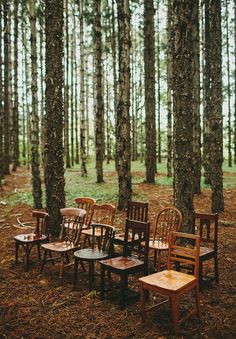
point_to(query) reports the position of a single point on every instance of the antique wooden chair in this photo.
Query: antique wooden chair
(184, 250)
(136, 210)
(102, 214)
(134, 259)
(206, 225)
(87, 204)
(168, 219)
(99, 251)
(72, 221)
(28, 241)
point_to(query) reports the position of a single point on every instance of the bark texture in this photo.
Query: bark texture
(54, 164)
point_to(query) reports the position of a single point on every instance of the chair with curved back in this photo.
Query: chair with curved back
(102, 214)
(87, 204)
(168, 219)
(69, 240)
(29, 240)
(98, 251)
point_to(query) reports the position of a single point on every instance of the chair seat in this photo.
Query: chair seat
(30, 237)
(168, 280)
(122, 263)
(91, 254)
(60, 246)
(158, 245)
(204, 251)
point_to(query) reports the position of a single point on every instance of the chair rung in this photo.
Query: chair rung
(190, 314)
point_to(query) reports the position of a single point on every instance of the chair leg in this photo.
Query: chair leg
(197, 300)
(44, 260)
(175, 313)
(39, 252)
(200, 275)
(61, 268)
(123, 286)
(91, 274)
(75, 279)
(102, 282)
(17, 246)
(27, 252)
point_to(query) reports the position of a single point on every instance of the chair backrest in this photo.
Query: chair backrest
(168, 219)
(104, 214)
(72, 222)
(105, 241)
(184, 249)
(206, 225)
(136, 240)
(137, 210)
(87, 204)
(41, 227)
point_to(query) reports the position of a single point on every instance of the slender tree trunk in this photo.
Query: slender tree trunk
(66, 91)
(123, 115)
(183, 110)
(149, 62)
(99, 133)
(159, 87)
(228, 86)
(234, 81)
(15, 120)
(216, 128)
(1, 100)
(169, 90)
(83, 154)
(196, 100)
(34, 133)
(54, 164)
(6, 116)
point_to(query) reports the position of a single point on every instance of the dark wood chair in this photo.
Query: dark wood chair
(102, 214)
(168, 219)
(183, 250)
(69, 240)
(206, 225)
(88, 205)
(134, 259)
(99, 250)
(29, 240)
(136, 210)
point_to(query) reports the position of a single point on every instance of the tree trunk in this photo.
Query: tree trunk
(159, 87)
(34, 133)
(15, 118)
(83, 154)
(6, 115)
(123, 116)
(169, 90)
(54, 164)
(99, 104)
(66, 91)
(234, 81)
(1, 101)
(149, 63)
(183, 110)
(196, 100)
(216, 128)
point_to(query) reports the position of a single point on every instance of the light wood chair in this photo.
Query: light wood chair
(69, 240)
(184, 250)
(86, 204)
(206, 225)
(168, 219)
(30, 240)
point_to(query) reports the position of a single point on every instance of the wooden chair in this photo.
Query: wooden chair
(72, 221)
(168, 219)
(206, 225)
(87, 204)
(136, 210)
(102, 214)
(28, 241)
(95, 253)
(134, 259)
(172, 283)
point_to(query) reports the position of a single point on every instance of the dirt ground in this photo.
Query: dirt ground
(33, 305)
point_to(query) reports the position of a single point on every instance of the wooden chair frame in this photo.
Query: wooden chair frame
(88, 205)
(172, 283)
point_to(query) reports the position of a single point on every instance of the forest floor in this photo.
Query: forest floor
(33, 305)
